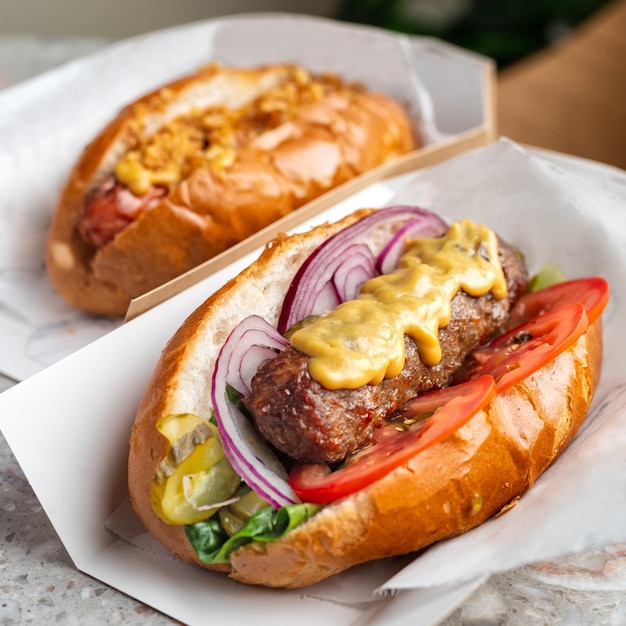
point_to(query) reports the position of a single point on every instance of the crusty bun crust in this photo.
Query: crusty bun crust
(453, 486)
(330, 142)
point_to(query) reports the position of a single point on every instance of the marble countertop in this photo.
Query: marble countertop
(40, 584)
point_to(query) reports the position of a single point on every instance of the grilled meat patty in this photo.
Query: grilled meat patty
(312, 424)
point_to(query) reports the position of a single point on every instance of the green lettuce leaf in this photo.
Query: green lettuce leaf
(550, 274)
(213, 545)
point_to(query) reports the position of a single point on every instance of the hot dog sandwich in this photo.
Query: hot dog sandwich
(362, 390)
(198, 165)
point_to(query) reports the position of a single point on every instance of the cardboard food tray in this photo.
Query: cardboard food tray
(391, 170)
(69, 425)
(45, 123)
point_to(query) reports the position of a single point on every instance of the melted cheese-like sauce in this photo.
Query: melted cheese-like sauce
(362, 341)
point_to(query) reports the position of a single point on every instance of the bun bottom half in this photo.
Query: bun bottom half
(478, 472)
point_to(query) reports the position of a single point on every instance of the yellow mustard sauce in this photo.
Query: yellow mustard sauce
(362, 341)
(210, 137)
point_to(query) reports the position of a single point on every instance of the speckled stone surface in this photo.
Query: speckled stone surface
(38, 581)
(577, 591)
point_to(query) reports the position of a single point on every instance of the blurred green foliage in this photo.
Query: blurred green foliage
(505, 30)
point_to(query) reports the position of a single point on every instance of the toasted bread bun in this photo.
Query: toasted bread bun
(453, 486)
(328, 135)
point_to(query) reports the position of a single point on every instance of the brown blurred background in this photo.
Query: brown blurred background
(571, 97)
(562, 63)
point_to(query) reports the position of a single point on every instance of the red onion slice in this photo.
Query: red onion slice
(250, 344)
(325, 299)
(317, 271)
(251, 362)
(333, 273)
(357, 267)
(238, 360)
(420, 227)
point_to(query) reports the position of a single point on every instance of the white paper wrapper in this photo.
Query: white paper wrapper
(81, 410)
(552, 216)
(46, 122)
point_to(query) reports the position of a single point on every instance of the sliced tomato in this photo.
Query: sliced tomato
(509, 358)
(547, 323)
(592, 292)
(395, 443)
